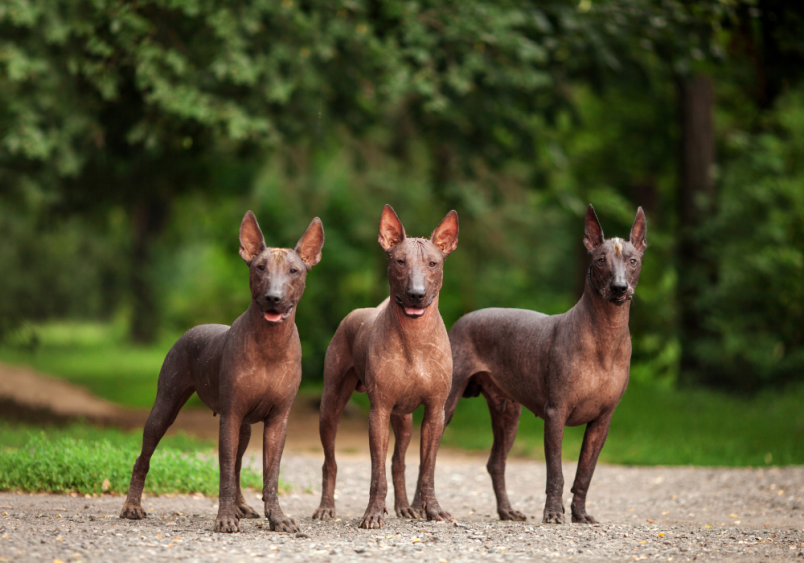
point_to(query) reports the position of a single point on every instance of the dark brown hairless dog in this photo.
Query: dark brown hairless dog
(399, 354)
(569, 369)
(247, 373)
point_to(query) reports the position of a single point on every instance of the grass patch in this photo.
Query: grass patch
(80, 458)
(662, 426)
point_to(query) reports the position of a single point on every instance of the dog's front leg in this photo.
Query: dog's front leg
(228, 441)
(379, 417)
(403, 427)
(554, 420)
(273, 444)
(593, 439)
(432, 429)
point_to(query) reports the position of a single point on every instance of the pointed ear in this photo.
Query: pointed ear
(445, 235)
(639, 231)
(310, 244)
(592, 231)
(391, 230)
(251, 241)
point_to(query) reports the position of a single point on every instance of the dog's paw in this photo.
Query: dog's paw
(583, 519)
(281, 523)
(435, 514)
(245, 511)
(226, 524)
(324, 513)
(552, 516)
(132, 512)
(408, 512)
(511, 514)
(373, 519)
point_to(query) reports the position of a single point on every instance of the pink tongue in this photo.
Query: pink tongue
(272, 317)
(414, 312)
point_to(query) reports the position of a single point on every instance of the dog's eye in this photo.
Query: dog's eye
(400, 262)
(601, 261)
(633, 261)
(294, 271)
(261, 267)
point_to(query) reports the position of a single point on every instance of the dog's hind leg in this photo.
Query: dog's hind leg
(243, 508)
(340, 381)
(593, 439)
(173, 390)
(504, 424)
(403, 427)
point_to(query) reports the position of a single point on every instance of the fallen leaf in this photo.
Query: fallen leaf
(58, 561)
(733, 516)
(106, 485)
(708, 527)
(416, 540)
(651, 521)
(660, 535)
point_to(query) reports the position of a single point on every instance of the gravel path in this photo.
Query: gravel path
(657, 514)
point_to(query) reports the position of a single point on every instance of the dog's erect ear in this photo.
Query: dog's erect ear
(391, 230)
(310, 244)
(639, 231)
(251, 241)
(592, 231)
(445, 235)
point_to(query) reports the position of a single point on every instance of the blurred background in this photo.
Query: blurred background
(134, 135)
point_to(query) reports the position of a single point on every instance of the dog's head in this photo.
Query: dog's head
(277, 275)
(416, 265)
(616, 263)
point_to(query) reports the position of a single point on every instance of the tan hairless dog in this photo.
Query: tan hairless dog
(399, 354)
(249, 372)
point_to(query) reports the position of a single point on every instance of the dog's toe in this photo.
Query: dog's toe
(226, 525)
(407, 512)
(284, 525)
(323, 513)
(132, 512)
(372, 521)
(511, 514)
(583, 519)
(551, 517)
(245, 511)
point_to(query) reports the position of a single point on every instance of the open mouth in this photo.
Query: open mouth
(412, 312)
(621, 299)
(275, 318)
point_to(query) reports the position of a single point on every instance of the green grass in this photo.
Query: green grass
(662, 426)
(80, 458)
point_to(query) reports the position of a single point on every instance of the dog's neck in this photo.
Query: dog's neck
(413, 330)
(268, 337)
(601, 313)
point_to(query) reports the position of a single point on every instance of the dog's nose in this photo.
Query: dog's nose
(619, 288)
(416, 294)
(273, 298)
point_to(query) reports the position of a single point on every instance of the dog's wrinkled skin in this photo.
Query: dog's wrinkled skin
(247, 373)
(399, 354)
(569, 369)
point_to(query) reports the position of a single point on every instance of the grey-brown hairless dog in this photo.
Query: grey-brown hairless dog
(399, 354)
(248, 373)
(568, 369)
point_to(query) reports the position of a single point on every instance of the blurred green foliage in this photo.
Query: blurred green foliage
(133, 136)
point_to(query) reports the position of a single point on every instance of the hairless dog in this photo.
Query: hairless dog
(568, 369)
(399, 354)
(247, 373)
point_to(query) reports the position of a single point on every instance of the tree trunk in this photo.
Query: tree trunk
(695, 199)
(148, 219)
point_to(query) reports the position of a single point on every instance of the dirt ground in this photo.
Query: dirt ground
(646, 513)
(657, 514)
